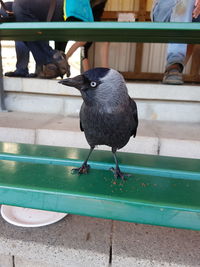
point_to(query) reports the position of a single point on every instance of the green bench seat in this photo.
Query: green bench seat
(161, 190)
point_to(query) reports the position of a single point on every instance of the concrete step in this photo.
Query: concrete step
(156, 102)
(85, 241)
(154, 137)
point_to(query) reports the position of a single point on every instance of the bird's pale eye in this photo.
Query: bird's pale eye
(93, 84)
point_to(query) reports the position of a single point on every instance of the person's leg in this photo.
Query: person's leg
(42, 52)
(61, 46)
(176, 53)
(22, 53)
(84, 56)
(25, 12)
(174, 11)
(50, 63)
(162, 10)
(58, 16)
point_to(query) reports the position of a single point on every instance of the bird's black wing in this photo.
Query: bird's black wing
(80, 116)
(135, 116)
(81, 127)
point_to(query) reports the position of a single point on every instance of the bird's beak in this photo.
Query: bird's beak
(76, 82)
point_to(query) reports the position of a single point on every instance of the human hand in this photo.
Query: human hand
(196, 11)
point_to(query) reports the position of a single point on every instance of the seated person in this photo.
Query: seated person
(49, 63)
(97, 10)
(175, 11)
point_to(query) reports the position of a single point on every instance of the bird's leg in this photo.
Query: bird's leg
(85, 167)
(117, 172)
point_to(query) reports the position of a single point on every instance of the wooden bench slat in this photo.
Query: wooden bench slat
(102, 31)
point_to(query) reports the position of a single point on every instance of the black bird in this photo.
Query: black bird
(108, 115)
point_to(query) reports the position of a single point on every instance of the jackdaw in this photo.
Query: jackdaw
(108, 115)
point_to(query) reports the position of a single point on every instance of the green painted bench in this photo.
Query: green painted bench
(161, 191)
(102, 31)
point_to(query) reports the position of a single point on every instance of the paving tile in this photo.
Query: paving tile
(73, 241)
(153, 246)
(6, 261)
(21, 262)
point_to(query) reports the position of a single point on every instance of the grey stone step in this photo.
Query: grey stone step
(155, 101)
(154, 137)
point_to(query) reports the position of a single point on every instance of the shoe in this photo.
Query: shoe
(173, 75)
(15, 74)
(58, 68)
(48, 71)
(32, 75)
(61, 62)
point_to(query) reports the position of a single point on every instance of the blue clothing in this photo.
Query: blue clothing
(22, 53)
(80, 9)
(174, 11)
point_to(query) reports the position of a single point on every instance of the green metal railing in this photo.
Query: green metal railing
(102, 31)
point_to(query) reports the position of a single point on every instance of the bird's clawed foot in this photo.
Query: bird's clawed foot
(119, 174)
(82, 170)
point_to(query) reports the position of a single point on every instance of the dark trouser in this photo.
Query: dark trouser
(22, 53)
(36, 11)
